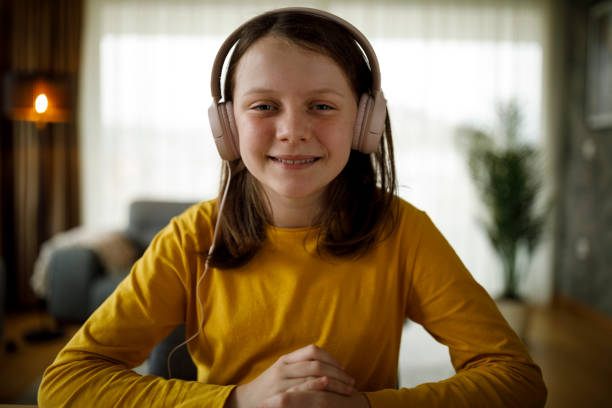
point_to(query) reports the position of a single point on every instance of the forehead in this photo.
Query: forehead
(272, 60)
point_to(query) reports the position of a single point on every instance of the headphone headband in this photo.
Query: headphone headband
(364, 43)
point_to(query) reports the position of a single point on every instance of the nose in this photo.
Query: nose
(293, 126)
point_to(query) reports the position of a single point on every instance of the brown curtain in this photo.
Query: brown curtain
(41, 164)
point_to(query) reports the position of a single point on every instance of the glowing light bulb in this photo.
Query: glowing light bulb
(41, 103)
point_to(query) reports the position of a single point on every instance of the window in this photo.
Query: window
(146, 90)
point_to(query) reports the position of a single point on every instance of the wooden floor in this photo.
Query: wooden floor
(573, 350)
(21, 368)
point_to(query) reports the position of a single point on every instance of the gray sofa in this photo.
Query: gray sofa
(78, 283)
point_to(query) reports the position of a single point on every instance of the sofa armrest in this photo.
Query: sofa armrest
(71, 272)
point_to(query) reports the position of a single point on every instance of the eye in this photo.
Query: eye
(263, 107)
(322, 106)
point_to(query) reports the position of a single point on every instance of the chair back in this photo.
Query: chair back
(148, 217)
(182, 366)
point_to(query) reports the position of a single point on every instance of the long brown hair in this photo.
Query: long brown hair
(359, 205)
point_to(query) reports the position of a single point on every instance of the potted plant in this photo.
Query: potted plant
(504, 173)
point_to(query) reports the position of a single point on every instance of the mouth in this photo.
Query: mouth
(297, 161)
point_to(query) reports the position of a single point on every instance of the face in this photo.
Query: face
(295, 112)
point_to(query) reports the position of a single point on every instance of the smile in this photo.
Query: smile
(302, 161)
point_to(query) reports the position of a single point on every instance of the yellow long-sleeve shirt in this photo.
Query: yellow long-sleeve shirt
(287, 297)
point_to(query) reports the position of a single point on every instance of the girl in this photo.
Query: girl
(301, 300)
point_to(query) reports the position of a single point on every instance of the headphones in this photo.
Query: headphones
(371, 112)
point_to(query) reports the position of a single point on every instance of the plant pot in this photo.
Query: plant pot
(516, 313)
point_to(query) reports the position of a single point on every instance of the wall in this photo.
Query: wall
(584, 229)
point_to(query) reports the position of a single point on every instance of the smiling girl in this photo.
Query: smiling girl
(301, 298)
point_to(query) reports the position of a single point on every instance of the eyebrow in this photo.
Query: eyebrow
(316, 91)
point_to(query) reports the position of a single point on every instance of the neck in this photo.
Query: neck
(290, 212)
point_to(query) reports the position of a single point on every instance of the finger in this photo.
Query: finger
(339, 387)
(323, 384)
(319, 383)
(316, 369)
(289, 383)
(307, 399)
(293, 400)
(310, 352)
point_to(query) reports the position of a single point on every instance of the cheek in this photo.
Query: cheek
(344, 155)
(250, 135)
(342, 145)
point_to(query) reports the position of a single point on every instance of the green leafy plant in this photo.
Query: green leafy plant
(505, 174)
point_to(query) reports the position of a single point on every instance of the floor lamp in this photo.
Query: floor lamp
(40, 98)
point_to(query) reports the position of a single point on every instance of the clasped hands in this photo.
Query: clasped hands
(308, 377)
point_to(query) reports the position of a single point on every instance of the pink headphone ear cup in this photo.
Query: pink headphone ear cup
(374, 122)
(232, 130)
(370, 123)
(223, 127)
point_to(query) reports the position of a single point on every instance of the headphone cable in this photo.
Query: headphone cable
(210, 251)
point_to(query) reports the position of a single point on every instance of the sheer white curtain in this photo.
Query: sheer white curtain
(444, 63)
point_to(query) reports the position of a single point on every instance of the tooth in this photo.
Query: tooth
(296, 161)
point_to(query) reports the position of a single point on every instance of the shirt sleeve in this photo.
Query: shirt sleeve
(96, 365)
(493, 367)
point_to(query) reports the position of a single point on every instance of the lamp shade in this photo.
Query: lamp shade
(22, 97)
